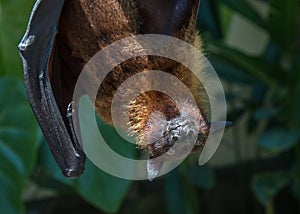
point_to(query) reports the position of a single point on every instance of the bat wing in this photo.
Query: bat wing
(35, 50)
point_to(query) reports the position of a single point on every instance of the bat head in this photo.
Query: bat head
(174, 138)
(161, 134)
(177, 137)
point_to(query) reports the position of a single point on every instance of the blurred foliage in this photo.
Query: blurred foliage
(18, 144)
(276, 74)
(273, 77)
(14, 16)
(102, 190)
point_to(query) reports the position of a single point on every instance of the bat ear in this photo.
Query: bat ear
(168, 17)
(153, 167)
(218, 125)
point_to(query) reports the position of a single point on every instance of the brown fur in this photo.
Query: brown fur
(87, 26)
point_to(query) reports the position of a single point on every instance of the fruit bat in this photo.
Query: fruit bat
(60, 39)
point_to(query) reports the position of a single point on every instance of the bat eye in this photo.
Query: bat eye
(172, 139)
(175, 138)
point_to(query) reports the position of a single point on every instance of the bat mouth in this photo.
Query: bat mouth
(186, 143)
(181, 136)
(176, 136)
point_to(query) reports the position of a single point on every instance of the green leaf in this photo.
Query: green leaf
(14, 15)
(267, 185)
(283, 23)
(265, 113)
(209, 18)
(229, 72)
(244, 8)
(18, 144)
(103, 191)
(113, 139)
(279, 139)
(226, 15)
(100, 189)
(202, 176)
(251, 65)
(180, 193)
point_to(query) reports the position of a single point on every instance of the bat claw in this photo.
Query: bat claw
(71, 173)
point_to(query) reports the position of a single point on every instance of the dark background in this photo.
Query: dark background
(254, 47)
